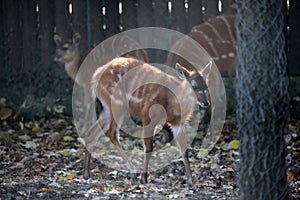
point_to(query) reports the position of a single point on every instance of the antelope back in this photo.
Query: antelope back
(67, 49)
(218, 37)
(121, 42)
(141, 88)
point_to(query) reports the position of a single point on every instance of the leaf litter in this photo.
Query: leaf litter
(43, 159)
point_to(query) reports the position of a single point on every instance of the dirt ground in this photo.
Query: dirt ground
(43, 160)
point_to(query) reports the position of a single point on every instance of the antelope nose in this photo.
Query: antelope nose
(206, 103)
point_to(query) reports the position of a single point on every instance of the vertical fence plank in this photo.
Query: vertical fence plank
(194, 15)
(62, 18)
(46, 31)
(129, 15)
(145, 18)
(79, 21)
(178, 16)
(145, 13)
(211, 9)
(112, 17)
(162, 18)
(228, 7)
(12, 34)
(161, 13)
(89, 23)
(98, 32)
(29, 33)
(2, 34)
(294, 40)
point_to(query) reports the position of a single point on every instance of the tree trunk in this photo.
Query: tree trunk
(263, 99)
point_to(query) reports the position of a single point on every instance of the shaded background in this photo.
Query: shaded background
(34, 85)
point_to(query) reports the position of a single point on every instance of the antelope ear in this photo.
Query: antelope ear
(206, 70)
(57, 39)
(182, 72)
(76, 38)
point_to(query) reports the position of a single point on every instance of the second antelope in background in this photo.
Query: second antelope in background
(128, 85)
(218, 37)
(67, 53)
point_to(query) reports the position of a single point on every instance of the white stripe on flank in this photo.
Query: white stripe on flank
(155, 94)
(208, 41)
(116, 100)
(231, 55)
(216, 58)
(134, 99)
(223, 56)
(119, 76)
(229, 29)
(215, 31)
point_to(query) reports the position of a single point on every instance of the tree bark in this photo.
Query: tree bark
(263, 99)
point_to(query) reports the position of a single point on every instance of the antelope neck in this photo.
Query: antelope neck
(72, 66)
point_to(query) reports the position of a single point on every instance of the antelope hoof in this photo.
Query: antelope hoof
(133, 177)
(86, 175)
(190, 183)
(144, 178)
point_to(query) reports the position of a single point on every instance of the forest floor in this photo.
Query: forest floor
(42, 159)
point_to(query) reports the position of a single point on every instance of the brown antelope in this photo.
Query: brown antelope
(218, 37)
(126, 85)
(67, 53)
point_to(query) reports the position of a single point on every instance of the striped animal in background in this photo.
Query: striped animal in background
(218, 37)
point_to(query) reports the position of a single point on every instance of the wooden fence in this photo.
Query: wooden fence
(27, 26)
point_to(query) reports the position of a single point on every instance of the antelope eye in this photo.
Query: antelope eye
(194, 85)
